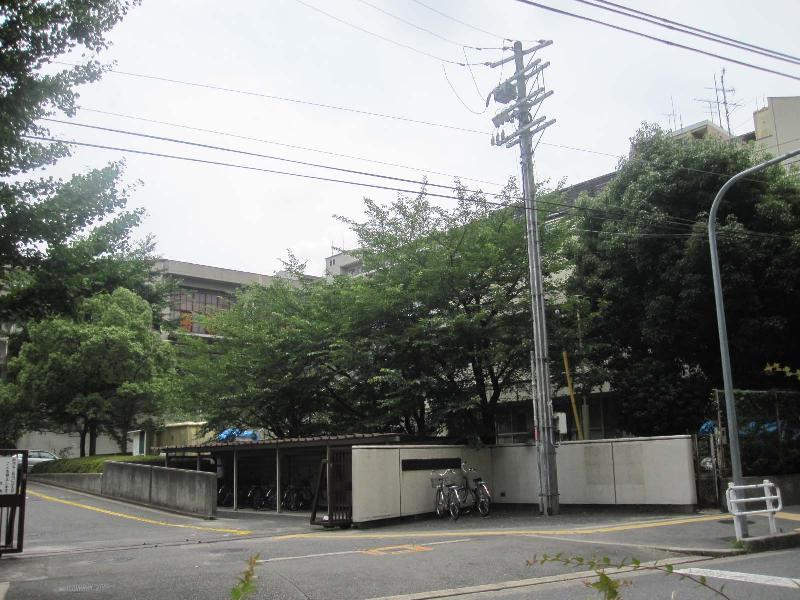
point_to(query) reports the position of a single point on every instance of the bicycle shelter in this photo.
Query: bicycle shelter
(324, 462)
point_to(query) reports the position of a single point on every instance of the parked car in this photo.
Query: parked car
(38, 456)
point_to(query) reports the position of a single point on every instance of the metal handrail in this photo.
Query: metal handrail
(773, 503)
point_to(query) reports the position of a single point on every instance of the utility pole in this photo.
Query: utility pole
(514, 89)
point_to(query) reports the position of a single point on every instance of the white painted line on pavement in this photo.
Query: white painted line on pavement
(343, 552)
(787, 582)
(502, 586)
(4, 589)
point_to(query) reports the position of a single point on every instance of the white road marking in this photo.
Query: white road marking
(502, 586)
(4, 589)
(787, 582)
(361, 551)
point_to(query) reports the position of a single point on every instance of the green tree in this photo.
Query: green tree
(60, 241)
(642, 263)
(100, 373)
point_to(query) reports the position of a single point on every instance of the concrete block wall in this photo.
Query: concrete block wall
(635, 471)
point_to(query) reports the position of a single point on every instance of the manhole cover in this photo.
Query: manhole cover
(81, 588)
(728, 521)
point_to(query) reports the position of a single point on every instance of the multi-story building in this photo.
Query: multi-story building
(202, 289)
(777, 126)
(343, 263)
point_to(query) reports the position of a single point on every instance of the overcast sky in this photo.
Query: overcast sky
(606, 84)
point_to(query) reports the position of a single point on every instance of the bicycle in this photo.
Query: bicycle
(456, 491)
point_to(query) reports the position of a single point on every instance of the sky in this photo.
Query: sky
(606, 84)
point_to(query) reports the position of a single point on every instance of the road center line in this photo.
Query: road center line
(112, 513)
(787, 582)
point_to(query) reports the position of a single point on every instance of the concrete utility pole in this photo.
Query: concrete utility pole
(514, 90)
(727, 377)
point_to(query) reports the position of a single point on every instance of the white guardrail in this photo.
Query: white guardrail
(771, 499)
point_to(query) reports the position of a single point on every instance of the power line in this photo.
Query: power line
(259, 155)
(329, 106)
(285, 145)
(656, 39)
(382, 37)
(465, 24)
(285, 99)
(245, 167)
(333, 180)
(667, 224)
(719, 38)
(420, 28)
(670, 220)
(458, 96)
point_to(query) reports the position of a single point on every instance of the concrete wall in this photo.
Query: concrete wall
(190, 492)
(193, 492)
(514, 478)
(636, 471)
(127, 481)
(84, 482)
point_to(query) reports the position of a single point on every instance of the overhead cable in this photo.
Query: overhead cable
(703, 33)
(657, 39)
(382, 37)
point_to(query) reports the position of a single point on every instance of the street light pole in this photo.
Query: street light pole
(727, 378)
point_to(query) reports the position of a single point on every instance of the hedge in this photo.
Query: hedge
(92, 464)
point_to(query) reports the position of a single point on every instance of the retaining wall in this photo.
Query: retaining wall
(190, 492)
(84, 482)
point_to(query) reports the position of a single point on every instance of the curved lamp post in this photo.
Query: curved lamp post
(730, 407)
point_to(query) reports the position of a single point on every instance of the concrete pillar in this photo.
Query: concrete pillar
(278, 495)
(197, 462)
(235, 480)
(585, 419)
(166, 459)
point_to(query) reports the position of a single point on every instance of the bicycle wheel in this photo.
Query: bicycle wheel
(455, 506)
(441, 503)
(484, 503)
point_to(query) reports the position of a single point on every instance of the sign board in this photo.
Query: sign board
(8, 475)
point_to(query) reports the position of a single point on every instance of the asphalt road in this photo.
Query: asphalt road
(83, 546)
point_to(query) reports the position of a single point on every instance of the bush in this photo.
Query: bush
(92, 464)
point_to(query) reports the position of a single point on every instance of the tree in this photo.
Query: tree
(100, 373)
(60, 241)
(433, 336)
(642, 263)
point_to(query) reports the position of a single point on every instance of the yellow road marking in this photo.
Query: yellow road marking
(393, 550)
(112, 513)
(499, 532)
(788, 516)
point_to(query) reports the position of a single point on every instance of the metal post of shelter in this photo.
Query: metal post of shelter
(727, 377)
(278, 480)
(235, 480)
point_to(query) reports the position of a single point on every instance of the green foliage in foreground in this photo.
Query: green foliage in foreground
(246, 584)
(92, 464)
(608, 572)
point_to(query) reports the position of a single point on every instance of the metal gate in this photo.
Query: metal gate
(334, 491)
(13, 482)
(706, 469)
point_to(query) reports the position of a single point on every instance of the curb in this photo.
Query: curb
(779, 541)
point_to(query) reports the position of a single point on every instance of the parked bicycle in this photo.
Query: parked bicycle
(460, 489)
(298, 497)
(261, 497)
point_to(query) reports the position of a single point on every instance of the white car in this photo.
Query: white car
(37, 456)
